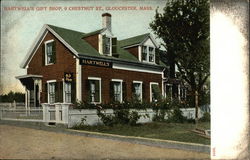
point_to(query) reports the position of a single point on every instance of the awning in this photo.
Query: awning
(28, 80)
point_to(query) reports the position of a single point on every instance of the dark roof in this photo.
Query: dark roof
(93, 33)
(83, 48)
(74, 39)
(133, 40)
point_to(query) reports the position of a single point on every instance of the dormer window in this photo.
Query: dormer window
(107, 49)
(50, 52)
(148, 54)
(109, 45)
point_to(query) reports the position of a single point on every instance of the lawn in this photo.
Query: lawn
(167, 131)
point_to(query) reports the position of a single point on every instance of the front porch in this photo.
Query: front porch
(33, 89)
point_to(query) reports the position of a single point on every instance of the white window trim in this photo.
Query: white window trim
(49, 81)
(101, 49)
(119, 80)
(150, 86)
(64, 96)
(100, 88)
(141, 87)
(147, 61)
(45, 50)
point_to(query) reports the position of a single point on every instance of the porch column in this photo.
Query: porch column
(26, 98)
(78, 80)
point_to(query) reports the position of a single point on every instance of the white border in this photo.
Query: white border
(119, 80)
(100, 88)
(50, 81)
(140, 87)
(135, 68)
(45, 51)
(150, 89)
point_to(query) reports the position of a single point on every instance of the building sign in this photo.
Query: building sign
(68, 77)
(95, 63)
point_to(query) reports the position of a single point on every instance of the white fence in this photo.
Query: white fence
(56, 113)
(62, 113)
(12, 105)
(22, 114)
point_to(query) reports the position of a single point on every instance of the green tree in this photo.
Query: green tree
(184, 29)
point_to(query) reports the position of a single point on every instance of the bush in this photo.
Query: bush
(206, 117)
(120, 116)
(176, 116)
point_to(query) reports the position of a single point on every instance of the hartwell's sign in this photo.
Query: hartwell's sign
(98, 63)
(68, 77)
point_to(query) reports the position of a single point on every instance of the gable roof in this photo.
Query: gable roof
(74, 41)
(133, 40)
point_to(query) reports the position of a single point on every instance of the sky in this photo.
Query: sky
(21, 22)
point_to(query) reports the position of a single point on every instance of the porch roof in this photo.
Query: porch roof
(28, 80)
(28, 76)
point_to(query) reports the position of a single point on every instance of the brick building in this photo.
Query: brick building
(65, 65)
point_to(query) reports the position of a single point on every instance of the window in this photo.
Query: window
(117, 90)
(144, 53)
(148, 54)
(155, 92)
(137, 90)
(67, 92)
(107, 45)
(51, 92)
(50, 54)
(94, 90)
(151, 54)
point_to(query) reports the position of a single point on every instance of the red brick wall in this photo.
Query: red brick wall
(65, 62)
(106, 74)
(93, 41)
(134, 51)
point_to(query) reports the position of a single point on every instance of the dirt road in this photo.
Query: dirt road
(26, 143)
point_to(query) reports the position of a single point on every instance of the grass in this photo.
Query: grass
(158, 130)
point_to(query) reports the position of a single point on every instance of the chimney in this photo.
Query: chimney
(106, 21)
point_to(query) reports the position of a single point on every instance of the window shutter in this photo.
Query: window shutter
(54, 51)
(111, 91)
(133, 90)
(97, 91)
(73, 92)
(88, 90)
(114, 47)
(157, 55)
(45, 93)
(43, 55)
(104, 44)
(143, 92)
(60, 91)
(56, 92)
(124, 91)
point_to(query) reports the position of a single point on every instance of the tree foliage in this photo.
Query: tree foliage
(184, 28)
(12, 96)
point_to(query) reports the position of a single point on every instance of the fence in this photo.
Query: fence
(22, 114)
(12, 105)
(62, 113)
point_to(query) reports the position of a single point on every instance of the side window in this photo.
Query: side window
(148, 54)
(94, 90)
(144, 53)
(67, 92)
(151, 54)
(50, 52)
(107, 45)
(137, 90)
(51, 92)
(155, 92)
(116, 89)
